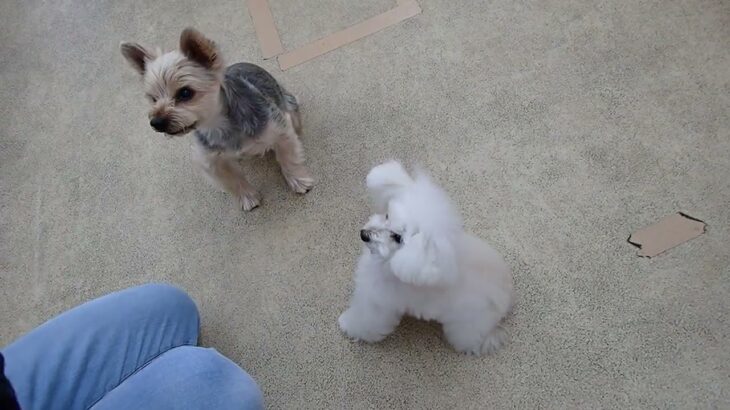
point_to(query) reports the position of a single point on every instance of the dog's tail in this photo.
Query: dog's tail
(388, 176)
(385, 181)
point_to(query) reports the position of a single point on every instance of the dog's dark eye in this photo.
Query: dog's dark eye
(184, 94)
(152, 98)
(397, 238)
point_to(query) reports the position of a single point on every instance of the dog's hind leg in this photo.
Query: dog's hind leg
(475, 336)
(291, 105)
(290, 155)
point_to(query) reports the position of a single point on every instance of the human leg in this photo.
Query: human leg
(186, 378)
(72, 360)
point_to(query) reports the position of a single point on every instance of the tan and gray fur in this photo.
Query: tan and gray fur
(234, 111)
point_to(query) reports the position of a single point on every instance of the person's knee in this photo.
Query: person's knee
(164, 298)
(186, 377)
(224, 380)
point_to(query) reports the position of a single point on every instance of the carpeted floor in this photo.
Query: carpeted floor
(558, 126)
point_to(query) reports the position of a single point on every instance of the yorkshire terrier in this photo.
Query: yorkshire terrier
(234, 111)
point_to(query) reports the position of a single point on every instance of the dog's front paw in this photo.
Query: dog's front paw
(345, 322)
(249, 200)
(300, 182)
(355, 329)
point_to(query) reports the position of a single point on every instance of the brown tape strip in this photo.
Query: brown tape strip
(265, 27)
(404, 10)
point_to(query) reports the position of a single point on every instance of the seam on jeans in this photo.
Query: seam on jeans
(138, 369)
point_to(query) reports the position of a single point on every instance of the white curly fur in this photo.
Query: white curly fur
(419, 261)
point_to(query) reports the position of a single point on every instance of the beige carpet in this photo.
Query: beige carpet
(558, 126)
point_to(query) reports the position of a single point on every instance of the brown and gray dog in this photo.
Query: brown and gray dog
(235, 111)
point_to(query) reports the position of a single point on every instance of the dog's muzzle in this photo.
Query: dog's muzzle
(365, 235)
(160, 124)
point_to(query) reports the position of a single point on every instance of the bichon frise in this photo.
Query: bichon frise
(419, 261)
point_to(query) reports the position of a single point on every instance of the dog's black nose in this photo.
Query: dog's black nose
(364, 235)
(159, 123)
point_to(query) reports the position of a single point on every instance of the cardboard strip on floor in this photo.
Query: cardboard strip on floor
(324, 45)
(669, 232)
(271, 45)
(263, 23)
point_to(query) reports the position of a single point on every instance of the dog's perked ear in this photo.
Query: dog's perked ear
(136, 55)
(195, 46)
(424, 261)
(385, 181)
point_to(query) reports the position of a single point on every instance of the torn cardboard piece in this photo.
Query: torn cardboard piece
(669, 232)
(271, 43)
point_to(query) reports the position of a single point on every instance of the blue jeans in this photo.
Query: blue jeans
(133, 349)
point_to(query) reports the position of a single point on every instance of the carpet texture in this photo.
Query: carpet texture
(559, 127)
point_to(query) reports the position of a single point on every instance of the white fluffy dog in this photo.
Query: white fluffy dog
(419, 261)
